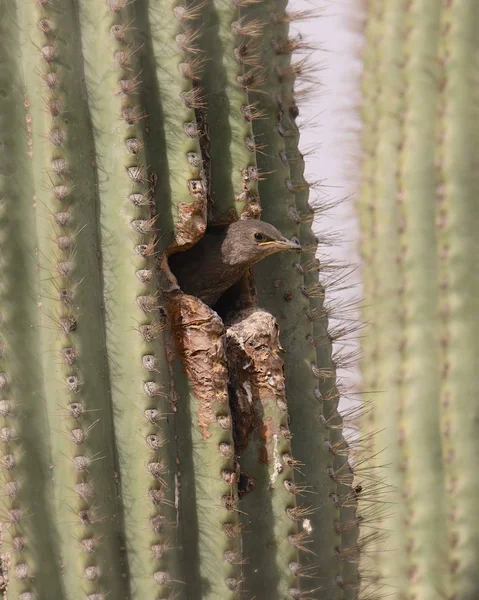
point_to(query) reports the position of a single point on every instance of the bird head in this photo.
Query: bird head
(249, 241)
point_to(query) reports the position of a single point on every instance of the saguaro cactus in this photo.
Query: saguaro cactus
(419, 216)
(151, 447)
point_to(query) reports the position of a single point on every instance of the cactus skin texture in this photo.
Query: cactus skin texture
(151, 448)
(419, 215)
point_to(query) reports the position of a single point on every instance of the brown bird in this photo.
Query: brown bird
(220, 259)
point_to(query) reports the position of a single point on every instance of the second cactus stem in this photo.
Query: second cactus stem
(419, 213)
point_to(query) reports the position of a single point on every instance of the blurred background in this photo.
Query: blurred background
(330, 130)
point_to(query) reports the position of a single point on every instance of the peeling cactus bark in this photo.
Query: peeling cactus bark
(191, 220)
(262, 442)
(256, 372)
(199, 332)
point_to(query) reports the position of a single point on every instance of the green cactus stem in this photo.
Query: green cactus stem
(126, 129)
(418, 214)
(456, 218)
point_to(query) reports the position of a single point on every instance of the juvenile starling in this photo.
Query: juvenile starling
(220, 259)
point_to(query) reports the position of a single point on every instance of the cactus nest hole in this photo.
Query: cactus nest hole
(238, 297)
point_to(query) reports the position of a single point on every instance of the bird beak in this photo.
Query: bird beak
(285, 244)
(282, 244)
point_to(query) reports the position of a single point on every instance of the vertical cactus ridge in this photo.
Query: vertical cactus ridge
(178, 52)
(320, 539)
(418, 429)
(262, 441)
(231, 73)
(132, 313)
(387, 195)
(340, 475)
(457, 219)
(213, 481)
(370, 89)
(279, 286)
(365, 205)
(380, 205)
(365, 208)
(28, 523)
(373, 581)
(168, 58)
(77, 397)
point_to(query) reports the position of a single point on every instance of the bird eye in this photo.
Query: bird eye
(259, 237)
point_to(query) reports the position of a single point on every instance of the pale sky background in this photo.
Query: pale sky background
(332, 127)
